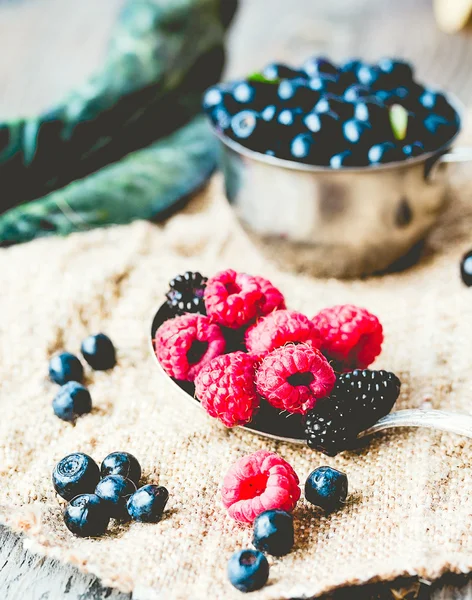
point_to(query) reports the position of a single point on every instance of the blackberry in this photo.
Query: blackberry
(329, 428)
(186, 294)
(369, 394)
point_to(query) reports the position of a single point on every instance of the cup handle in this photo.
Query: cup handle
(453, 155)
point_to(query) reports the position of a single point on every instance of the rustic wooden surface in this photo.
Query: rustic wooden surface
(48, 46)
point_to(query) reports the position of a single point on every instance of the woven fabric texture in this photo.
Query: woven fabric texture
(410, 502)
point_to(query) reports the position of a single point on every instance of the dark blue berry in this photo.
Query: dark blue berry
(384, 153)
(334, 105)
(269, 112)
(296, 92)
(368, 74)
(348, 71)
(115, 490)
(99, 352)
(318, 66)
(395, 72)
(466, 269)
(347, 158)
(438, 130)
(273, 532)
(356, 132)
(248, 570)
(437, 103)
(220, 118)
(244, 124)
(212, 97)
(71, 401)
(86, 516)
(289, 116)
(413, 149)
(276, 71)
(327, 488)
(121, 463)
(244, 92)
(75, 474)
(147, 504)
(312, 122)
(65, 367)
(302, 148)
(355, 92)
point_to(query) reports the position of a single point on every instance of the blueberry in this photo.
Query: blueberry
(302, 148)
(273, 532)
(413, 149)
(384, 153)
(147, 504)
(318, 66)
(115, 490)
(276, 71)
(438, 130)
(347, 158)
(220, 118)
(75, 474)
(357, 132)
(436, 102)
(289, 116)
(244, 92)
(312, 122)
(348, 71)
(86, 516)
(121, 463)
(466, 269)
(296, 92)
(243, 124)
(248, 570)
(334, 105)
(65, 367)
(99, 352)
(370, 110)
(328, 84)
(212, 97)
(71, 401)
(368, 75)
(355, 92)
(395, 72)
(327, 488)
(269, 112)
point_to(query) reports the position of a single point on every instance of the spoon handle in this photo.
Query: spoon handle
(435, 419)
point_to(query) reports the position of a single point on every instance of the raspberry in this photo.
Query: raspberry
(280, 328)
(233, 299)
(258, 482)
(294, 377)
(369, 395)
(186, 293)
(225, 387)
(328, 427)
(184, 344)
(273, 298)
(351, 336)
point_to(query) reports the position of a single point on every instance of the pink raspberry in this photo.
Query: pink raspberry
(259, 482)
(225, 387)
(351, 336)
(294, 377)
(279, 328)
(185, 344)
(233, 299)
(273, 298)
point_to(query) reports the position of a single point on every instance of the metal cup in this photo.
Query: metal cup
(345, 222)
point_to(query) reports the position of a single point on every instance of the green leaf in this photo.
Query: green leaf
(398, 116)
(260, 77)
(162, 56)
(144, 185)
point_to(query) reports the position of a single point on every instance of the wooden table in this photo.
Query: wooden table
(49, 46)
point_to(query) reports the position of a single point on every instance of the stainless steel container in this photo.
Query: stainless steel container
(336, 223)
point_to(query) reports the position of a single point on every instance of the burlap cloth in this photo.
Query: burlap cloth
(410, 503)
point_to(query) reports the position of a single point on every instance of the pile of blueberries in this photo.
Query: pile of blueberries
(96, 495)
(273, 532)
(350, 115)
(73, 399)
